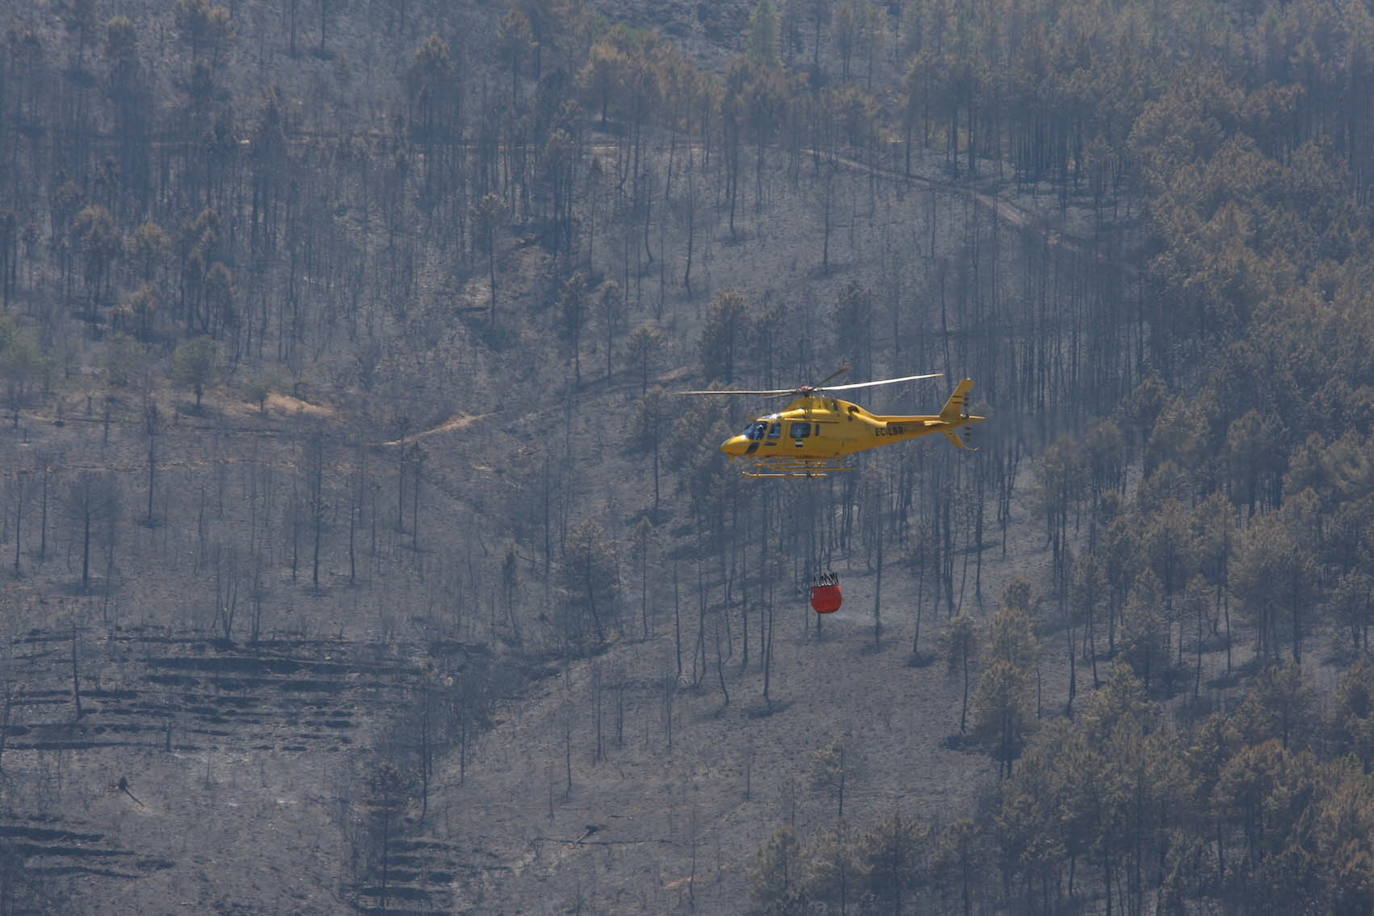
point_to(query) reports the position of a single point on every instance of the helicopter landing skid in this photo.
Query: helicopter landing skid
(793, 467)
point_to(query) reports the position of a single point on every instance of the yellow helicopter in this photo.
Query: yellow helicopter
(815, 432)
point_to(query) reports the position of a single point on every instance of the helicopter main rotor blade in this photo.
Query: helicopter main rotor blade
(886, 381)
(778, 392)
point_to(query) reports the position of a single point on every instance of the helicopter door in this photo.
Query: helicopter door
(774, 432)
(798, 432)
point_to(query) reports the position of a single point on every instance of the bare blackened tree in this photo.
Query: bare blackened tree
(93, 506)
(19, 482)
(487, 217)
(415, 457)
(152, 426)
(589, 575)
(315, 450)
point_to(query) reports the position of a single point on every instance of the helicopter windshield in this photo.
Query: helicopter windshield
(755, 431)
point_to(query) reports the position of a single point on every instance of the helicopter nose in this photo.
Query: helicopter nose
(735, 445)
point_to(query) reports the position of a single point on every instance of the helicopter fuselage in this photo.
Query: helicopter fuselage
(816, 428)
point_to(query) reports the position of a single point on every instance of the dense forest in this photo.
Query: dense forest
(358, 553)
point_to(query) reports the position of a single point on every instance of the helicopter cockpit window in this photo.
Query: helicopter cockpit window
(755, 431)
(774, 430)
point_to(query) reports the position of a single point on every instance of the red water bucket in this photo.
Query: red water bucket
(826, 599)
